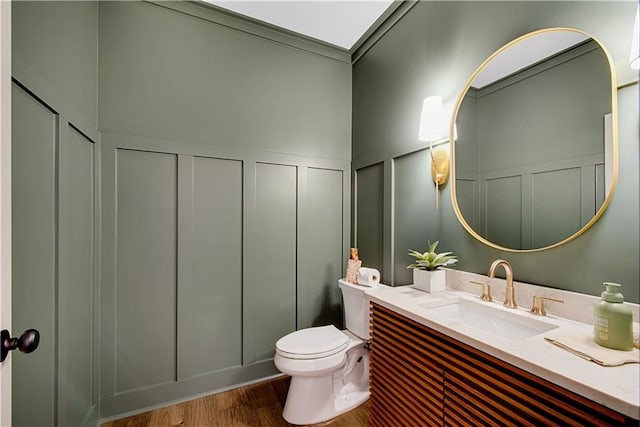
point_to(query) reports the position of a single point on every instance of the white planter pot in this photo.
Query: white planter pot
(429, 281)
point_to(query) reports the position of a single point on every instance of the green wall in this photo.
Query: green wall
(168, 75)
(442, 44)
(225, 214)
(195, 202)
(55, 203)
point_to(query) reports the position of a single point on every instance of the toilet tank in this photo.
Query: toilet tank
(356, 307)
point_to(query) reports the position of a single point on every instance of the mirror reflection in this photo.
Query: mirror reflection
(534, 159)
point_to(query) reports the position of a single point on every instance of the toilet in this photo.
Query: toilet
(329, 368)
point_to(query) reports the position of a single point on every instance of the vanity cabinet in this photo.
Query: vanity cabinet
(421, 377)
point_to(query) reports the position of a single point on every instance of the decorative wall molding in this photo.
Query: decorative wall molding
(217, 15)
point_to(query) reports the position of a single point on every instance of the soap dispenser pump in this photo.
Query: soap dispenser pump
(612, 320)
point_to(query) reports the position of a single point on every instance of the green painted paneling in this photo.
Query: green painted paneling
(214, 247)
(76, 299)
(174, 83)
(319, 301)
(504, 207)
(55, 43)
(274, 265)
(510, 113)
(145, 287)
(466, 147)
(414, 227)
(467, 191)
(216, 301)
(442, 44)
(555, 213)
(169, 75)
(194, 87)
(55, 57)
(502, 210)
(34, 147)
(369, 216)
(178, 91)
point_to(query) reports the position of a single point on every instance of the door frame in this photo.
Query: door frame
(5, 202)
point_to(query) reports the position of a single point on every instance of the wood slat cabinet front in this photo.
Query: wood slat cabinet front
(420, 377)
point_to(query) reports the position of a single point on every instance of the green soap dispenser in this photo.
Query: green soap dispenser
(612, 320)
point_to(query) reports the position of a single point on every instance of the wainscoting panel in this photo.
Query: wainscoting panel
(556, 206)
(275, 253)
(319, 297)
(502, 211)
(78, 262)
(34, 234)
(412, 228)
(145, 287)
(369, 214)
(210, 255)
(466, 192)
(215, 305)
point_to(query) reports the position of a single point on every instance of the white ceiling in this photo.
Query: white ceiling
(526, 53)
(338, 22)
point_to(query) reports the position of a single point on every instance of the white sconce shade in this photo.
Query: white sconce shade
(432, 123)
(434, 128)
(634, 56)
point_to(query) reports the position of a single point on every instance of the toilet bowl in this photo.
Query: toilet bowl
(329, 368)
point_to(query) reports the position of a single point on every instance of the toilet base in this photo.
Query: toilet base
(312, 400)
(318, 399)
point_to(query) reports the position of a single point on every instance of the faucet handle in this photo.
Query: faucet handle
(486, 291)
(538, 305)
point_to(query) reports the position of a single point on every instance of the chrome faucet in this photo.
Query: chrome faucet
(509, 295)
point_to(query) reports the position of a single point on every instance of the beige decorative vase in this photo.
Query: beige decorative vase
(429, 281)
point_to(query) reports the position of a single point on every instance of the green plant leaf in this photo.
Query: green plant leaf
(415, 254)
(443, 255)
(430, 260)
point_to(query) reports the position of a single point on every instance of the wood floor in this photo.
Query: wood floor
(254, 405)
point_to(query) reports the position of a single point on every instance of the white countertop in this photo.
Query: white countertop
(617, 387)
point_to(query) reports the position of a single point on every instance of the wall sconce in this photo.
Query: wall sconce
(434, 129)
(634, 56)
(433, 126)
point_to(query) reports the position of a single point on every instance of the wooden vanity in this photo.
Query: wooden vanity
(421, 377)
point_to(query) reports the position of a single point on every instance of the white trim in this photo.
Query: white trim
(5, 202)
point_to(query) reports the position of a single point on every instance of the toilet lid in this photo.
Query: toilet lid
(312, 343)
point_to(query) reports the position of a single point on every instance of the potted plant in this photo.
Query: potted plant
(427, 275)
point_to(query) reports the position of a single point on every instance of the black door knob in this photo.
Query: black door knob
(27, 342)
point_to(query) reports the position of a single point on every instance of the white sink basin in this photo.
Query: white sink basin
(488, 318)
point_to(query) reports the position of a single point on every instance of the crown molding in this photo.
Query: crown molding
(225, 18)
(392, 15)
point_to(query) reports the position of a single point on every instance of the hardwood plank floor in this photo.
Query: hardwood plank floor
(257, 404)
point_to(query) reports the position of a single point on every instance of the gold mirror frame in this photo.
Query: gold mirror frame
(614, 131)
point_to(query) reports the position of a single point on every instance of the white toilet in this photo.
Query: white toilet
(329, 368)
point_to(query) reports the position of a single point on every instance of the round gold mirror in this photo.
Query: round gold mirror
(535, 162)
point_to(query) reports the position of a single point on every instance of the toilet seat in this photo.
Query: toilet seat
(312, 343)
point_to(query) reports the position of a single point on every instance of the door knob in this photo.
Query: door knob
(27, 342)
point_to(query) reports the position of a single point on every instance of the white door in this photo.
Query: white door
(5, 203)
